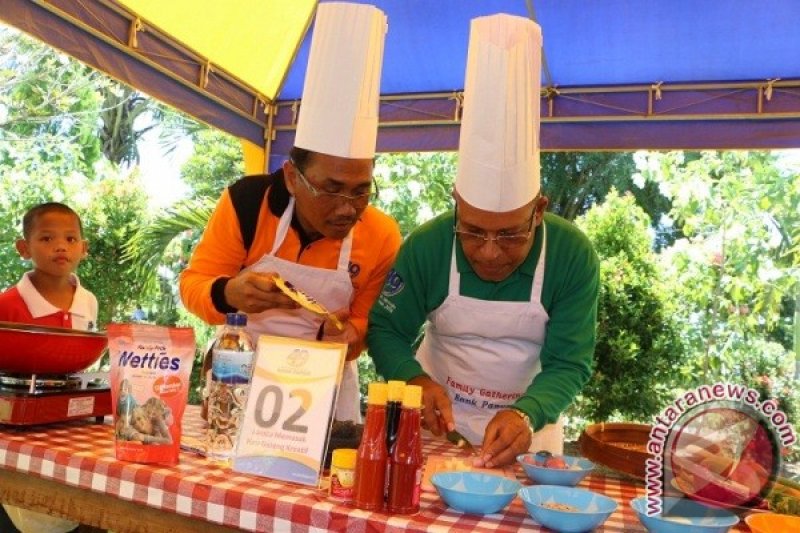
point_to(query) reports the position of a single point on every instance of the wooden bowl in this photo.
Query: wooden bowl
(619, 446)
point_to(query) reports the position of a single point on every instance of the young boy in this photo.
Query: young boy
(50, 294)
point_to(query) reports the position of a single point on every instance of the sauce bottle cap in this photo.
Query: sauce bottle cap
(344, 458)
(377, 393)
(412, 396)
(396, 390)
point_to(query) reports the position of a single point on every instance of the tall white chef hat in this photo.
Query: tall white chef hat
(339, 110)
(498, 157)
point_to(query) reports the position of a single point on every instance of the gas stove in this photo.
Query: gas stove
(27, 400)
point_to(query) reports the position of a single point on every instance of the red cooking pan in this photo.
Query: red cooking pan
(29, 349)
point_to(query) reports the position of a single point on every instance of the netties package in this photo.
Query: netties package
(150, 370)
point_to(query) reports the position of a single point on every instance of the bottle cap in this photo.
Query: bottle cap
(241, 319)
(230, 319)
(344, 458)
(412, 396)
(396, 390)
(376, 393)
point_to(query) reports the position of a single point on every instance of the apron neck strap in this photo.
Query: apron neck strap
(538, 277)
(285, 223)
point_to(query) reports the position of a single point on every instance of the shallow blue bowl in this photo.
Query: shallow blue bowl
(473, 492)
(578, 468)
(590, 509)
(684, 515)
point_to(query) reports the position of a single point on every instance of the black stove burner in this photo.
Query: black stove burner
(62, 382)
(37, 383)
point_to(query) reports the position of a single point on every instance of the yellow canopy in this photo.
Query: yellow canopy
(262, 51)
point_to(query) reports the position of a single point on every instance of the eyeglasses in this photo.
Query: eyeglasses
(356, 200)
(503, 239)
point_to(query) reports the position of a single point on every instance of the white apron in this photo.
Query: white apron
(331, 288)
(486, 354)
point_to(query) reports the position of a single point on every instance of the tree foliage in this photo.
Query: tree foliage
(415, 187)
(120, 134)
(216, 162)
(116, 208)
(575, 181)
(50, 150)
(49, 107)
(737, 271)
(638, 343)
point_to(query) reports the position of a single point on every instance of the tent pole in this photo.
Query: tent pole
(269, 135)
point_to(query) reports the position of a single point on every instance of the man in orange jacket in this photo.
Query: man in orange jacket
(310, 222)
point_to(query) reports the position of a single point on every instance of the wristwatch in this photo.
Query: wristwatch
(524, 416)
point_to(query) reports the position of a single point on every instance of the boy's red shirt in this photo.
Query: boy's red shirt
(23, 304)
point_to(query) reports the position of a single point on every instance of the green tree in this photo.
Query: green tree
(117, 209)
(575, 181)
(122, 109)
(737, 271)
(415, 187)
(160, 250)
(215, 163)
(51, 107)
(50, 150)
(638, 345)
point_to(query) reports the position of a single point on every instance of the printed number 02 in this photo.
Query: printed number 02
(288, 424)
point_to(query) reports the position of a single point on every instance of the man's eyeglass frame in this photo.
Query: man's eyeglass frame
(503, 240)
(353, 199)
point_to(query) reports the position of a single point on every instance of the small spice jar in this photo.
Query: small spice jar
(343, 471)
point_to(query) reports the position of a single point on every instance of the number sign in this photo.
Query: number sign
(289, 409)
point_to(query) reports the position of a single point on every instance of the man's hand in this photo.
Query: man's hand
(437, 412)
(347, 336)
(254, 292)
(507, 436)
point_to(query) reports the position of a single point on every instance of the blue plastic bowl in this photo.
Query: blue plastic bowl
(578, 468)
(684, 515)
(590, 509)
(473, 492)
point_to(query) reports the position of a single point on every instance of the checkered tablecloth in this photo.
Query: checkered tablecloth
(81, 454)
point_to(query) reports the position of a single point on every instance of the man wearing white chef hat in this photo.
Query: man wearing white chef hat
(507, 292)
(310, 222)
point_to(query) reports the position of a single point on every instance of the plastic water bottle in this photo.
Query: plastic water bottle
(231, 366)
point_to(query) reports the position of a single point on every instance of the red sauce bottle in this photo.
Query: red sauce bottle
(406, 461)
(371, 459)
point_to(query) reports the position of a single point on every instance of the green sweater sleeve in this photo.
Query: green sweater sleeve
(570, 296)
(414, 287)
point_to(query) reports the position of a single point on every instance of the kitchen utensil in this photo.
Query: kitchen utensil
(472, 492)
(306, 302)
(30, 349)
(460, 441)
(772, 522)
(577, 469)
(566, 508)
(621, 446)
(683, 516)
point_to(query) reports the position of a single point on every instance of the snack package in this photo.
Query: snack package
(150, 369)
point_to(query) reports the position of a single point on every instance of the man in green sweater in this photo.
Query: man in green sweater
(507, 293)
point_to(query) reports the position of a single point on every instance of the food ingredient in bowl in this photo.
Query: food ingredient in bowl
(639, 447)
(555, 462)
(560, 507)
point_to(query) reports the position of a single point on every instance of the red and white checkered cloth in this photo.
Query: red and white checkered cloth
(81, 454)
